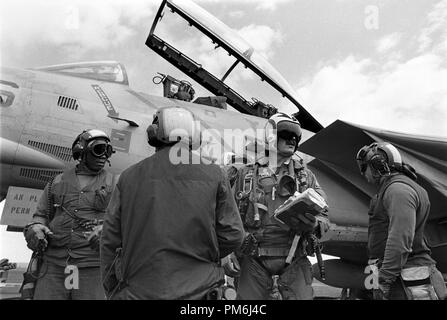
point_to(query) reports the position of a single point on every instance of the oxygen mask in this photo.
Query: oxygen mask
(286, 186)
(287, 183)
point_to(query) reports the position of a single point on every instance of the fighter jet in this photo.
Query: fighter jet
(43, 109)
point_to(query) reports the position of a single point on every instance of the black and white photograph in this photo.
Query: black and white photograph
(240, 151)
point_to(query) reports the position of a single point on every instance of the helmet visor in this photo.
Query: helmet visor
(289, 127)
(99, 148)
(287, 135)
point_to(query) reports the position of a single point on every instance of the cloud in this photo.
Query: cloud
(436, 27)
(388, 42)
(237, 14)
(262, 38)
(75, 26)
(394, 92)
(257, 4)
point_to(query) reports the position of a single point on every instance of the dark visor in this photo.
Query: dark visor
(287, 135)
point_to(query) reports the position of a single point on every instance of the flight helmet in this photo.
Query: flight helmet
(92, 140)
(383, 157)
(285, 127)
(174, 124)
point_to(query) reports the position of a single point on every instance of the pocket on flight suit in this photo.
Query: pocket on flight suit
(306, 268)
(267, 184)
(372, 205)
(59, 221)
(418, 283)
(438, 283)
(102, 197)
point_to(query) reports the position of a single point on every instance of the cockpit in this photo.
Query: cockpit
(109, 71)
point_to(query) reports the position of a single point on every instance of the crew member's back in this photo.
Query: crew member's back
(174, 223)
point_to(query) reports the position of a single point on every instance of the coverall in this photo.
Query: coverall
(398, 214)
(174, 222)
(74, 210)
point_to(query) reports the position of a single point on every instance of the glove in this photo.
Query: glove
(231, 265)
(304, 223)
(323, 226)
(94, 237)
(36, 237)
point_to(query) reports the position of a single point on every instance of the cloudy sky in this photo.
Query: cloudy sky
(381, 63)
(378, 63)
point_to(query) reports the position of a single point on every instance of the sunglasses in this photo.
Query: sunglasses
(100, 148)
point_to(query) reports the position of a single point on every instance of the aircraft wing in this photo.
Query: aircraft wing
(335, 148)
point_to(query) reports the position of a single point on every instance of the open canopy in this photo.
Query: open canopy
(229, 40)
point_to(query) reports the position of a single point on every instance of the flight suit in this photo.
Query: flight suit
(274, 240)
(170, 225)
(398, 214)
(75, 209)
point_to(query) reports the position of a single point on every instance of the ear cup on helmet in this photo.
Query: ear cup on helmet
(77, 148)
(171, 125)
(80, 144)
(379, 163)
(152, 136)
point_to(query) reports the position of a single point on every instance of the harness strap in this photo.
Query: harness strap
(293, 248)
(291, 168)
(261, 206)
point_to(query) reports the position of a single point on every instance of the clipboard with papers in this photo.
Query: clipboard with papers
(308, 201)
